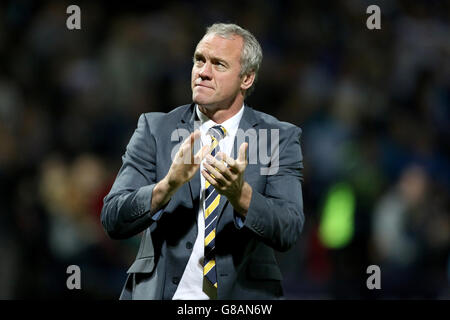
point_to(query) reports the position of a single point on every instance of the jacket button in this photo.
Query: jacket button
(176, 280)
(189, 245)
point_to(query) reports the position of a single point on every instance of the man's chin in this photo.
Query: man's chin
(203, 101)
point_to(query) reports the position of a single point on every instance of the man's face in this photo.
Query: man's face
(215, 74)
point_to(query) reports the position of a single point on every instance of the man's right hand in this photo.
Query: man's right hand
(183, 168)
(185, 164)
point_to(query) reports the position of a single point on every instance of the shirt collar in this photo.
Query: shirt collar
(230, 125)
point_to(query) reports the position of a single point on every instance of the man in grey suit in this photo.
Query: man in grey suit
(211, 213)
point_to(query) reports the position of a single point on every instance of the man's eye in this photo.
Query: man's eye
(198, 59)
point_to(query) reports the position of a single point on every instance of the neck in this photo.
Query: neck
(220, 115)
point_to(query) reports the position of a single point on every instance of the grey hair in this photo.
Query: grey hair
(251, 55)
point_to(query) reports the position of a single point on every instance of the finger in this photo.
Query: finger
(186, 151)
(182, 151)
(220, 165)
(201, 154)
(215, 174)
(194, 136)
(207, 150)
(184, 148)
(243, 152)
(189, 141)
(197, 134)
(210, 179)
(229, 161)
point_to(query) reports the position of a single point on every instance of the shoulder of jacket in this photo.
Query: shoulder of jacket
(267, 120)
(161, 118)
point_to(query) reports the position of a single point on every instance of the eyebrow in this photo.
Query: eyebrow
(213, 58)
(198, 55)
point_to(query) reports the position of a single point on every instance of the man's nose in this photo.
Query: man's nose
(205, 72)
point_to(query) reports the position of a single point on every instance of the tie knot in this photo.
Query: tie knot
(217, 132)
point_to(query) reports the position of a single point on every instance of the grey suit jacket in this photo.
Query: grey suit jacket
(245, 260)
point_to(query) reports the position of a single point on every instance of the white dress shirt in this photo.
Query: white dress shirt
(191, 283)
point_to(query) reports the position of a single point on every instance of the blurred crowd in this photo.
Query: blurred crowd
(374, 107)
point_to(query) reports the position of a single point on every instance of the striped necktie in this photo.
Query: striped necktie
(212, 199)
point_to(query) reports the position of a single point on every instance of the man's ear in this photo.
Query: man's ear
(247, 81)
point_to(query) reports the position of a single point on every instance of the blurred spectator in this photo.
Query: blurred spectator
(411, 236)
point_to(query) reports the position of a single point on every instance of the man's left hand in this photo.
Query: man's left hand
(227, 177)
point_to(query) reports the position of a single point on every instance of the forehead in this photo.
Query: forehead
(216, 46)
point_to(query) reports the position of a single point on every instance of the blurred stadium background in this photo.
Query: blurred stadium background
(373, 106)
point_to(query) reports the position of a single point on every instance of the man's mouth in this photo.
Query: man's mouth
(202, 85)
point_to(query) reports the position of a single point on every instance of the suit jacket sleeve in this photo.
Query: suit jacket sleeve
(276, 215)
(126, 209)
